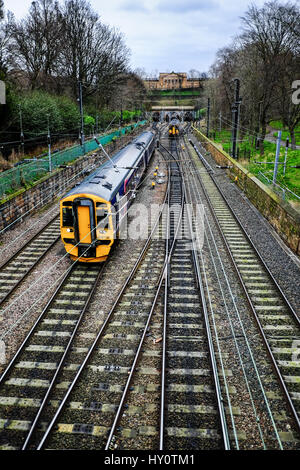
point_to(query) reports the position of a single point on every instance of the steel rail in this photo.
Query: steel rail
(222, 416)
(37, 322)
(100, 332)
(233, 335)
(280, 291)
(169, 251)
(62, 360)
(18, 282)
(164, 333)
(27, 243)
(244, 336)
(163, 277)
(13, 361)
(205, 282)
(219, 395)
(260, 327)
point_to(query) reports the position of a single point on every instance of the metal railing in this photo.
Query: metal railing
(282, 190)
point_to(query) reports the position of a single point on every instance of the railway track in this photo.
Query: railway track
(27, 411)
(192, 413)
(277, 322)
(154, 376)
(17, 268)
(31, 376)
(183, 410)
(91, 404)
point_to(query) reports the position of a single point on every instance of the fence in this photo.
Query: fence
(16, 178)
(280, 189)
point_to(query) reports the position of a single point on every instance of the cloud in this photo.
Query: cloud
(170, 6)
(133, 6)
(168, 34)
(186, 7)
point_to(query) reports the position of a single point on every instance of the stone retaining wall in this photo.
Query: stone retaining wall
(281, 215)
(55, 186)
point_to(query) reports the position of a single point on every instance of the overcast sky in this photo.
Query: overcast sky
(167, 35)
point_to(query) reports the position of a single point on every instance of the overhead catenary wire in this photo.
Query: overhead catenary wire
(44, 200)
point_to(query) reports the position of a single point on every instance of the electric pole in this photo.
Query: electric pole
(81, 116)
(285, 155)
(97, 117)
(235, 117)
(21, 130)
(49, 145)
(220, 124)
(259, 119)
(277, 157)
(208, 117)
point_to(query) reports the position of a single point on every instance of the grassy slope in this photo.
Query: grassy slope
(285, 133)
(291, 179)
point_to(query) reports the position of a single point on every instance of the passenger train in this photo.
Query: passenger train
(91, 212)
(174, 128)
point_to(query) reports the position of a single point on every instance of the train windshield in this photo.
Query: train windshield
(67, 217)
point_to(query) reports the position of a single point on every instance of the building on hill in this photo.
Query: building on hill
(171, 81)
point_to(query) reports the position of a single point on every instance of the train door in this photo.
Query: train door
(85, 220)
(84, 226)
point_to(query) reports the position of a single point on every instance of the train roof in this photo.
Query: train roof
(106, 180)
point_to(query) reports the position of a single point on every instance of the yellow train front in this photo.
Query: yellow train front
(92, 211)
(174, 129)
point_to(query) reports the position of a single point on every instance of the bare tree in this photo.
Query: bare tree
(1, 10)
(193, 73)
(36, 41)
(130, 92)
(286, 109)
(270, 31)
(4, 39)
(93, 52)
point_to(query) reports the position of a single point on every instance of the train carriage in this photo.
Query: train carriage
(92, 211)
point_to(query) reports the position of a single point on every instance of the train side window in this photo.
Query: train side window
(68, 220)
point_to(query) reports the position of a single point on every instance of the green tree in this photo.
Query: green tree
(36, 107)
(69, 114)
(89, 123)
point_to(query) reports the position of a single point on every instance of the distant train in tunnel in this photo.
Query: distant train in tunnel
(174, 128)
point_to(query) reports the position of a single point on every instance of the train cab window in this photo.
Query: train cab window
(68, 220)
(102, 215)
